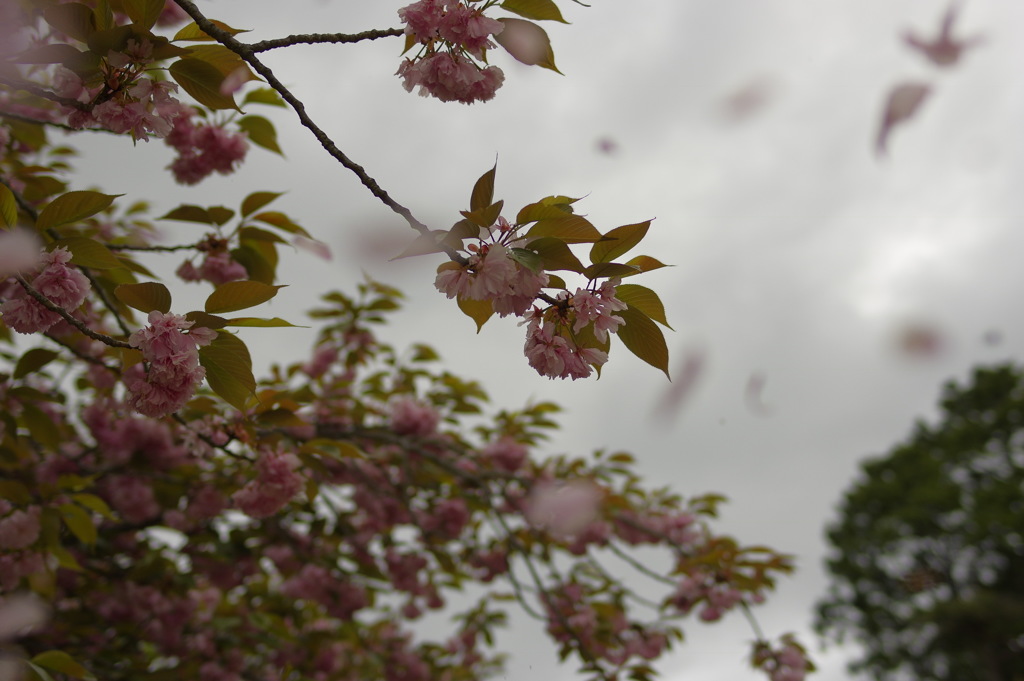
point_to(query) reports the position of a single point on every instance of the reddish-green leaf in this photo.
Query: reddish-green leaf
(61, 662)
(527, 259)
(555, 254)
(239, 295)
(261, 132)
(618, 242)
(609, 269)
(145, 297)
(193, 33)
(424, 244)
(257, 200)
(571, 229)
(229, 369)
(202, 80)
(643, 338)
(216, 215)
(477, 310)
(643, 299)
(40, 426)
(143, 13)
(258, 322)
(87, 252)
(483, 191)
(484, 217)
(527, 42)
(264, 95)
(210, 321)
(94, 503)
(542, 210)
(73, 19)
(72, 207)
(8, 207)
(644, 263)
(534, 9)
(33, 360)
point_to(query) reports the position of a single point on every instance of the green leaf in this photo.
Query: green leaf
(609, 269)
(261, 132)
(257, 200)
(643, 338)
(264, 95)
(40, 426)
(282, 222)
(555, 254)
(259, 322)
(527, 259)
(229, 369)
(483, 191)
(572, 229)
(216, 215)
(644, 263)
(143, 13)
(94, 503)
(618, 242)
(145, 297)
(477, 310)
(224, 60)
(110, 39)
(79, 522)
(8, 207)
(239, 295)
(15, 491)
(33, 360)
(202, 80)
(250, 234)
(73, 19)
(87, 252)
(61, 662)
(527, 42)
(72, 207)
(192, 33)
(643, 299)
(534, 9)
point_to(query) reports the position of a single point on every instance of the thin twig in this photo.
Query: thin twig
(66, 316)
(31, 88)
(249, 56)
(314, 38)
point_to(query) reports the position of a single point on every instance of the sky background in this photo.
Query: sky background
(801, 257)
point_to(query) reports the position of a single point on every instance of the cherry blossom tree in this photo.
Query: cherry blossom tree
(165, 514)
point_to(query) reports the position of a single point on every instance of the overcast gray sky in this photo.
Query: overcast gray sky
(800, 257)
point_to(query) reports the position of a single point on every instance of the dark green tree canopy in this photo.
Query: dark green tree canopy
(927, 556)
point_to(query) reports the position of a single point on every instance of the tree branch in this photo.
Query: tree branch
(334, 38)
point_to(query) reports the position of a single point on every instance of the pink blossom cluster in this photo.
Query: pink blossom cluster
(491, 274)
(450, 74)
(563, 509)
(341, 598)
(203, 149)
(506, 454)
(217, 267)
(596, 307)
(20, 529)
(410, 416)
(61, 283)
(555, 356)
(451, 78)
(20, 249)
(787, 663)
(278, 481)
(140, 106)
(174, 372)
(717, 594)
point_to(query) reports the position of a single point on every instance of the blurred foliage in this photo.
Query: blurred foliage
(928, 556)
